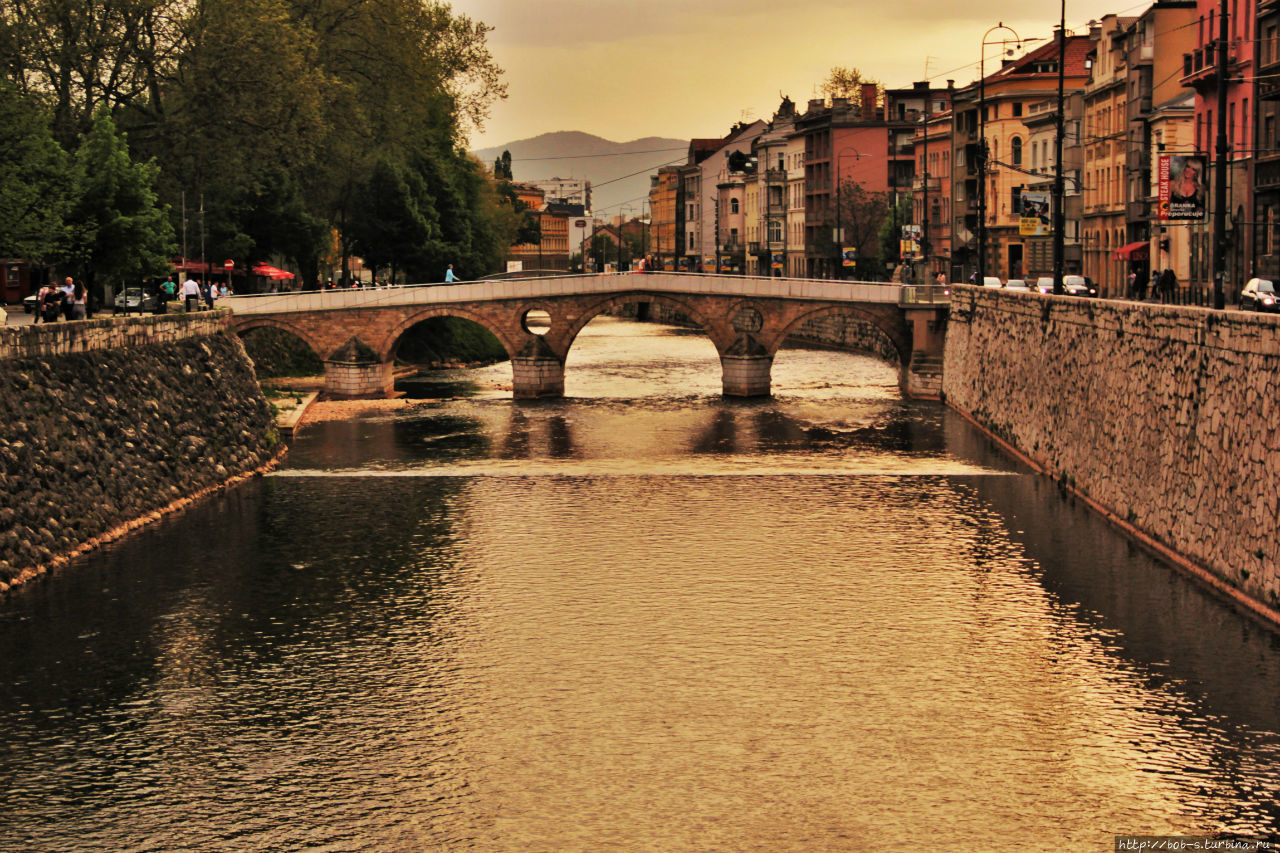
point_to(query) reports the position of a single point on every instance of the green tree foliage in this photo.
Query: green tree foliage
(117, 231)
(35, 181)
(860, 215)
(287, 118)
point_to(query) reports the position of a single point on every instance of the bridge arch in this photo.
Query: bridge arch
(387, 349)
(274, 322)
(590, 312)
(896, 334)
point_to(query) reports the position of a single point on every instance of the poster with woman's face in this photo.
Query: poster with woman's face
(1183, 190)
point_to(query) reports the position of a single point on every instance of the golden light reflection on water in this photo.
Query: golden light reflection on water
(729, 677)
(830, 621)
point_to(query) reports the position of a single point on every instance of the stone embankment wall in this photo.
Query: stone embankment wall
(105, 424)
(1166, 417)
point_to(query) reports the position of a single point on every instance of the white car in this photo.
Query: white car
(1017, 284)
(990, 281)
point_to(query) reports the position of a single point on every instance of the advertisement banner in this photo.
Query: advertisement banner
(909, 244)
(1033, 214)
(1182, 191)
(775, 261)
(849, 255)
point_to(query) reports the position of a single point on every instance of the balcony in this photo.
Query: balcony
(1200, 67)
(775, 176)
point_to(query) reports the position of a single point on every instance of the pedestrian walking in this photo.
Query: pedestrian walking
(449, 277)
(1133, 284)
(68, 296)
(1140, 288)
(79, 302)
(191, 294)
(1168, 284)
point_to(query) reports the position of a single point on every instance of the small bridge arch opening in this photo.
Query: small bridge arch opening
(278, 349)
(641, 358)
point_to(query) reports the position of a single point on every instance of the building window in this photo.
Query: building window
(1016, 149)
(733, 205)
(1017, 109)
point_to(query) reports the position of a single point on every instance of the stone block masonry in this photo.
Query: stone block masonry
(105, 424)
(1166, 417)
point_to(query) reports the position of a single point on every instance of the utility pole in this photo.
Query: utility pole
(924, 234)
(1220, 169)
(1059, 213)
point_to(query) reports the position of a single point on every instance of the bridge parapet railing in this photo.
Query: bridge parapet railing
(925, 295)
(568, 285)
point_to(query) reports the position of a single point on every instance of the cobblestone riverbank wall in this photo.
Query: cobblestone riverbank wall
(1168, 418)
(107, 424)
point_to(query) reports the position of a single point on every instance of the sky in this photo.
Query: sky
(626, 69)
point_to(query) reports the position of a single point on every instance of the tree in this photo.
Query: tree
(845, 82)
(36, 182)
(117, 232)
(502, 167)
(859, 215)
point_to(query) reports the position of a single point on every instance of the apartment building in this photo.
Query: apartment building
(666, 217)
(1160, 114)
(1266, 173)
(991, 111)
(1200, 73)
(767, 196)
(1106, 155)
(1036, 196)
(844, 144)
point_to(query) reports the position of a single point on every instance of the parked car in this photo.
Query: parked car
(1259, 294)
(990, 281)
(1017, 284)
(1044, 284)
(1078, 285)
(134, 300)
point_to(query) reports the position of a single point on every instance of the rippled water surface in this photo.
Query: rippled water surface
(642, 618)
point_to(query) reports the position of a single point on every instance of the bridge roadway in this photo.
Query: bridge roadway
(356, 331)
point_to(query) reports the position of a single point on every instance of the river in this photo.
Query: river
(640, 618)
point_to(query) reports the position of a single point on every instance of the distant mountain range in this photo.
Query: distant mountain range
(619, 171)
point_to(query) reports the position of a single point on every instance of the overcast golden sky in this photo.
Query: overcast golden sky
(625, 69)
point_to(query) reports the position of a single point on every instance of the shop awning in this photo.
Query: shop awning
(271, 272)
(1134, 252)
(189, 265)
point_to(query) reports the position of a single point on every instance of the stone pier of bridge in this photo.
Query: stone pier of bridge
(356, 332)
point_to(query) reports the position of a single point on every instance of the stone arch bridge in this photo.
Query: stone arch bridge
(356, 332)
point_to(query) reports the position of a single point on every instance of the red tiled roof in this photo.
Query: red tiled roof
(1077, 49)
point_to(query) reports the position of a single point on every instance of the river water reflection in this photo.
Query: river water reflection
(643, 618)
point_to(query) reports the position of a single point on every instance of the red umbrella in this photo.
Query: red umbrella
(271, 272)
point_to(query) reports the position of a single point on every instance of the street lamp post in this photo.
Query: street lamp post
(982, 142)
(837, 235)
(1059, 212)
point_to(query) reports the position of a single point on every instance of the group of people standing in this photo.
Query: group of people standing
(70, 302)
(1161, 283)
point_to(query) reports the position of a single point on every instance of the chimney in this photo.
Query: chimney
(816, 104)
(869, 91)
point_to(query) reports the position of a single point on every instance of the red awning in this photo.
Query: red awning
(1134, 252)
(271, 272)
(188, 265)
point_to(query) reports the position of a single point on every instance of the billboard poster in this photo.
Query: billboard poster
(1033, 214)
(849, 256)
(1182, 191)
(775, 261)
(909, 244)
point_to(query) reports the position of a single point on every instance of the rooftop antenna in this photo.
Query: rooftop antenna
(927, 60)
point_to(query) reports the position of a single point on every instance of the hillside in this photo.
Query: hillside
(619, 171)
